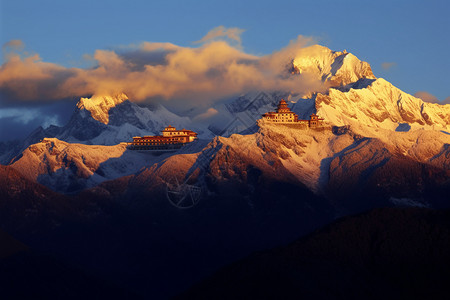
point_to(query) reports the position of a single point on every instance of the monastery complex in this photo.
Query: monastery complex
(284, 115)
(171, 139)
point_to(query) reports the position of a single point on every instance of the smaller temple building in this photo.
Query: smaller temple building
(171, 139)
(314, 121)
(284, 115)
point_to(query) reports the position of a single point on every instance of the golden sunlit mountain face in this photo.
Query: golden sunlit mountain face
(150, 144)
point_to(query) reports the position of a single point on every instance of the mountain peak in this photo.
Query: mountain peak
(99, 105)
(338, 68)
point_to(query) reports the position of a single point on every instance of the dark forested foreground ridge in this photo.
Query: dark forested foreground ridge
(156, 251)
(388, 253)
(25, 274)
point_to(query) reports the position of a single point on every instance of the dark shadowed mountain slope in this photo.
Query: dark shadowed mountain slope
(27, 275)
(28, 208)
(23, 202)
(9, 246)
(390, 253)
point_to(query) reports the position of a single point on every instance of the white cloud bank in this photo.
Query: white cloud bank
(203, 74)
(427, 97)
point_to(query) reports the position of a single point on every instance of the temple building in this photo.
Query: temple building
(284, 115)
(314, 121)
(171, 139)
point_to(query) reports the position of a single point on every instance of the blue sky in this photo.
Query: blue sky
(411, 38)
(415, 35)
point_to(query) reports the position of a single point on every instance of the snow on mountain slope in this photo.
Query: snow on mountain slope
(67, 167)
(381, 105)
(332, 161)
(243, 112)
(309, 157)
(281, 153)
(255, 100)
(372, 174)
(336, 68)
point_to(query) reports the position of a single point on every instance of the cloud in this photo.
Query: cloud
(277, 61)
(27, 116)
(198, 75)
(388, 65)
(147, 54)
(427, 97)
(16, 123)
(19, 115)
(206, 115)
(13, 44)
(149, 47)
(29, 78)
(233, 34)
(12, 48)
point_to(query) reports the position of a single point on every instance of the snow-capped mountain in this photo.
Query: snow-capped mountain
(109, 120)
(99, 106)
(381, 105)
(334, 67)
(372, 129)
(103, 120)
